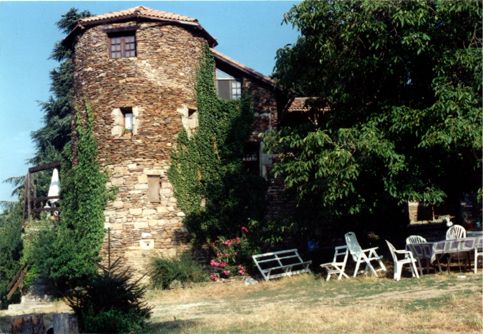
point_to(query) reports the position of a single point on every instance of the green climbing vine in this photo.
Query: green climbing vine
(68, 252)
(211, 185)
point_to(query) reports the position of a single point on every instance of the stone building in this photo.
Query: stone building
(137, 70)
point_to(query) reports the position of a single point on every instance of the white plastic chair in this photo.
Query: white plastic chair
(399, 263)
(360, 255)
(455, 232)
(337, 266)
(417, 239)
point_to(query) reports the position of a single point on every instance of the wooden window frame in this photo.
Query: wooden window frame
(232, 85)
(123, 44)
(236, 89)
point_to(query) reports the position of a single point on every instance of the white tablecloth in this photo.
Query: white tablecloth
(430, 250)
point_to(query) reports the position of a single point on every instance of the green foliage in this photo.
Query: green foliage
(403, 84)
(69, 252)
(37, 240)
(183, 269)
(51, 139)
(210, 183)
(10, 246)
(110, 303)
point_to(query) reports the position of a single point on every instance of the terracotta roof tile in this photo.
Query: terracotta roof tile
(304, 104)
(141, 11)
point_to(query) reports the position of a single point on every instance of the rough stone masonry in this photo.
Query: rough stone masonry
(154, 85)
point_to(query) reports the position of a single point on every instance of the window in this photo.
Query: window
(122, 45)
(189, 119)
(154, 188)
(126, 121)
(128, 118)
(235, 89)
(228, 87)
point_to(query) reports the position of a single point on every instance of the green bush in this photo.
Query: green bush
(183, 269)
(110, 303)
(10, 247)
(112, 321)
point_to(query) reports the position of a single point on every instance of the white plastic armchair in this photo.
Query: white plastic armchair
(337, 266)
(360, 255)
(399, 263)
(415, 239)
(455, 232)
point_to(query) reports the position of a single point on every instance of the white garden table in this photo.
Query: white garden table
(433, 251)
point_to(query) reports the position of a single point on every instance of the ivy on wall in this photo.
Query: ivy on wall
(211, 185)
(68, 253)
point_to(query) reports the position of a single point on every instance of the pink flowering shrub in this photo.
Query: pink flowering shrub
(228, 255)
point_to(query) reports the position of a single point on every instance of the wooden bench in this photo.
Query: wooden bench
(281, 263)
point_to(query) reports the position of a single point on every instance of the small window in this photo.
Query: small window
(122, 45)
(227, 86)
(128, 118)
(228, 89)
(235, 90)
(154, 188)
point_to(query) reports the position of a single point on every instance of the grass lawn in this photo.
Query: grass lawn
(442, 303)
(436, 303)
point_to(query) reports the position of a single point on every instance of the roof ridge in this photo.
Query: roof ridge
(242, 67)
(139, 10)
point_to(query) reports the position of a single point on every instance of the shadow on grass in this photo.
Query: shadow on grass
(174, 326)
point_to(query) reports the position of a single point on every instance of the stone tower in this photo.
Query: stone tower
(137, 69)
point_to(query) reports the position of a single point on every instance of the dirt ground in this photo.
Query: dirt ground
(436, 303)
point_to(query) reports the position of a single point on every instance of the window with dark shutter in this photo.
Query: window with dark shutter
(223, 89)
(228, 89)
(227, 86)
(122, 44)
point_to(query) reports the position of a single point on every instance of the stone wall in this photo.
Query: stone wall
(158, 85)
(139, 228)
(155, 84)
(265, 105)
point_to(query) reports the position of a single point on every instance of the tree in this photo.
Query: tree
(402, 81)
(51, 139)
(10, 246)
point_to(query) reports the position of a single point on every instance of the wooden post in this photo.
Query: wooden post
(27, 196)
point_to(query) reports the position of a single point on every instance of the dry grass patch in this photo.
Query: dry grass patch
(433, 304)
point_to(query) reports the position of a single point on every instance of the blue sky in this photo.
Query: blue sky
(250, 32)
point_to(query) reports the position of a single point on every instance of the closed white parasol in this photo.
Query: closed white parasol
(54, 189)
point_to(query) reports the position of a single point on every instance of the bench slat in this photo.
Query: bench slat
(276, 253)
(287, 268)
